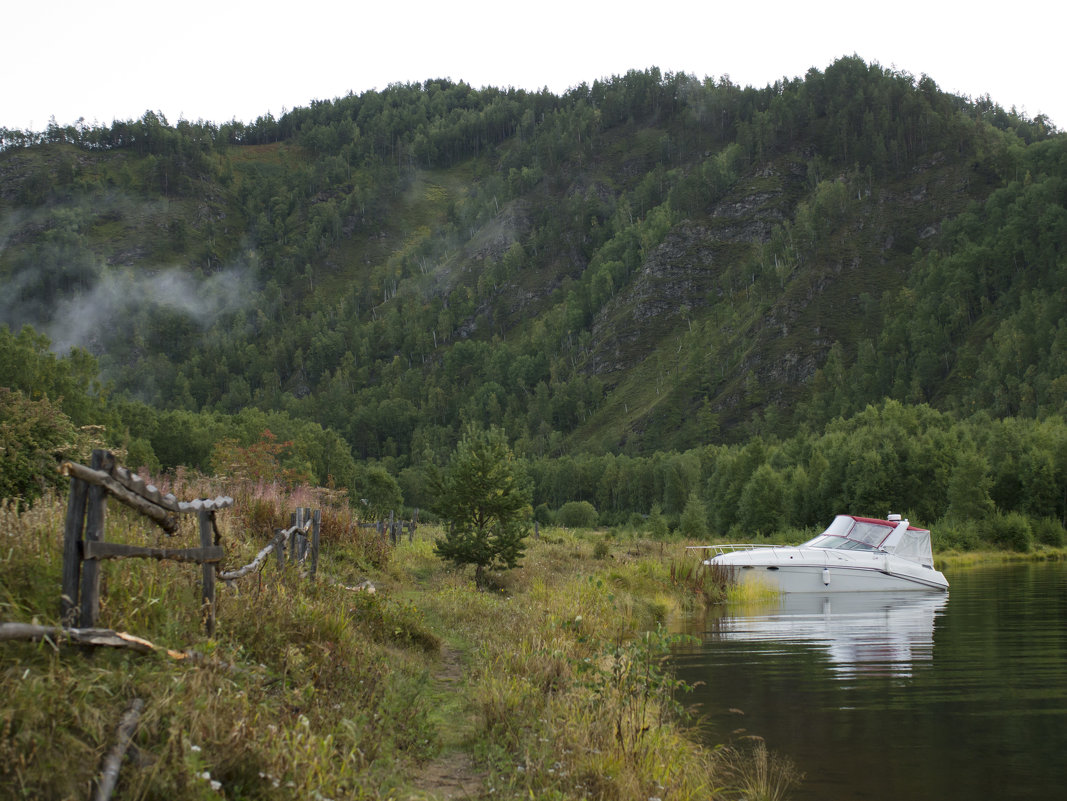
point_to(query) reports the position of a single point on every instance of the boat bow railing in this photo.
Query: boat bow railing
(719, 550)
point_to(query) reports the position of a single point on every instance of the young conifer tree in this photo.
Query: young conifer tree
(484, 496)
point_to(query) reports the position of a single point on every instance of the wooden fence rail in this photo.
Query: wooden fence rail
(83, 539)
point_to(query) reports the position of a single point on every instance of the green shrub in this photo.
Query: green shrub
(543, 515)
(34, 437)
(1011, 531)
(577, 514)
(959, 535)
(1049, 531)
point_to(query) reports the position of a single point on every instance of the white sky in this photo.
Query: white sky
(222, 59)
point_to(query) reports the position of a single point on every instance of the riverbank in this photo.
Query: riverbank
(551, 684)
(1039, 553)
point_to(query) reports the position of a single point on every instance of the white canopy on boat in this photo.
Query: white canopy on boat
(893, 536)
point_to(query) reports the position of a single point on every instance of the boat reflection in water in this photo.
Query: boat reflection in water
(869, 633)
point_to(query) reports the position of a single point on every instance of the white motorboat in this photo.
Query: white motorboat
(854, 554)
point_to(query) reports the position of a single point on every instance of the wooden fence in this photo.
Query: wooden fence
(393, 528)
(84, 544)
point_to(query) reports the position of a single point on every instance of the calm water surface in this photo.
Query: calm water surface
(899, 696)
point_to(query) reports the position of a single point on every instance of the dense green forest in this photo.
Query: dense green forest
(841, 291)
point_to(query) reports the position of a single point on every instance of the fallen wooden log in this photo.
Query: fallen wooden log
(98, 637)
(110, 774)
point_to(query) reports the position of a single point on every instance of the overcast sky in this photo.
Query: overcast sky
(230, 59)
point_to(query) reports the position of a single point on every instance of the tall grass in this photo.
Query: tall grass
(310, 689)
(756, 774)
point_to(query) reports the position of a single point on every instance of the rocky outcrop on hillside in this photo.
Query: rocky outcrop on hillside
(679, 276)
(683, 274)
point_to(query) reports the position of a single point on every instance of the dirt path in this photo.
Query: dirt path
(452, 775)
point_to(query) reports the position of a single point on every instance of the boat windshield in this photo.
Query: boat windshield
(852, 534)
(840, 544)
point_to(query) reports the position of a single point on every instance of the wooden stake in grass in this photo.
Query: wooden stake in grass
(207, 526)
(72, 538)
(94, 532)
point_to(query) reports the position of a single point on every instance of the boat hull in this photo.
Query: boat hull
(837, 578)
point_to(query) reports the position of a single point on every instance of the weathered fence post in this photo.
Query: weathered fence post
(94, 532)
(305, 540)
(316, 523)
(279, 547)
(294, 521)
(72, 558)
(206, 519)
(392, 528)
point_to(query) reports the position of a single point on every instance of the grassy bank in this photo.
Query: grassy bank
(550, 685)
(958, 559)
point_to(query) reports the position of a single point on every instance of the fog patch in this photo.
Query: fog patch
(125, 299)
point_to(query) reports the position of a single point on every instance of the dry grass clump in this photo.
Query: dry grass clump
(756, 774)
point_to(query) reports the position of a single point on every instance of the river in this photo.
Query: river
(882, 697)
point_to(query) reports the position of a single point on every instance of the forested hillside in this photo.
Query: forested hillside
(650, 264)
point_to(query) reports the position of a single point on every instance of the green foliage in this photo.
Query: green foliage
(392, 621)
(34, 437)
(632, 679)
(968, 490)
(1010, 531)
(260, 462)
(1049, 531)
(483, 494)
(376, 493)
(694, 521)
(940, 471)
(544, 515)
(657, 524)
(341, 678)
(953, 534)
(72, 382)
(577, 514)
(647, 226)
(760, 506)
